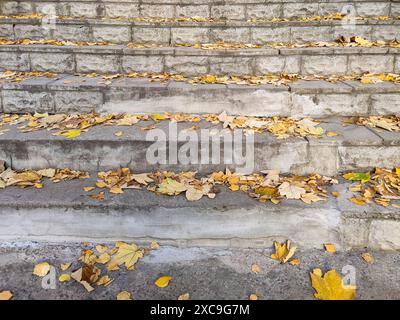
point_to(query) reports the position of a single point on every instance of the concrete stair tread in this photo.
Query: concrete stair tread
(63, 211)
(354, 148)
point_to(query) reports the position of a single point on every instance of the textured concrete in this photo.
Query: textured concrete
(297, 99)
(204, 273)
(194, 32)
(354, 148)
(233, 10)
(65, 212)
(191, 61)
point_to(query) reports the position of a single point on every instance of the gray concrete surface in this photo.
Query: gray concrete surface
(65, 212)
(204, 273)
(354, 148)
(67, 93)
(237, 10)
(195, 62)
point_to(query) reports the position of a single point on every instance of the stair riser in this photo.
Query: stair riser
(134, 96)
(192, 33)
(297, 156)
(255, 227)
(192, 62)
(233, 10)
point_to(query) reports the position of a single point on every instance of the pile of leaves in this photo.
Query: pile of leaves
(266, 186)
(381, 186)
(389, 123)
(52, 42)
(16, 76)
(72, 125)
(96, 260)
(330, 17)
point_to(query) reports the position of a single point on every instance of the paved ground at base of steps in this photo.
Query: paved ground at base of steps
(202, 272)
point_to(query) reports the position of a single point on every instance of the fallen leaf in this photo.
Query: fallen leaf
(283, 251)
(291, 191)
(255, 268)
(71, 134)
(163, 281)
(329, 247)
(64, 278)
(124, 295)
(357, 176)
(253, 297)
(41, 269)
(5, 295)
(368, 257)
(184, 296)
(330, 286)
(127, 254)
(88, 189)
(65, 266)
(295, 262)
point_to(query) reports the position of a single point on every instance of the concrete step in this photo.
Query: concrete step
(205, 273)
(64, 212)
(230, 9)
(99, 149)
(67, 93)
(192, 62)
(124, 31)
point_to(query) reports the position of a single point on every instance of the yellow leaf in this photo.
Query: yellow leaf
(359, 201)
(357, 176)
(64, 278)
(71, 134)
(255, 268)
(154, 245)
(331, 134)
(158, 117)
(336, 194)
(104, 258)
(184, 296)
(163, 281)
(101, 249)
(88, 189)
(171, 187)
(5, 295)
(105, 281)
(398, 171)
(116, 190)
(330, 286)
(234, 187)
(253, 297)
(329, 247)
(41, 269)
(283, 251)
(369, 258)
(124, 295)
(127, 254)
(65, 266)
(295, 262)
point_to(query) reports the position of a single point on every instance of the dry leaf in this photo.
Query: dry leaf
(64, 278)
(65, 266)
(41, 269)
(5, 295)
(253, 297)
(368, 257)
(283, 251)
(329, 247)
(163, 281)
(184, 296)
(330, 286)
(124, 295)
(255, 268)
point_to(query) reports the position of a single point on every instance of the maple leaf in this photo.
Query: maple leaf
(127, 254)
(171, 187)
(283, 251)
(330, 286)
(291, 191)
